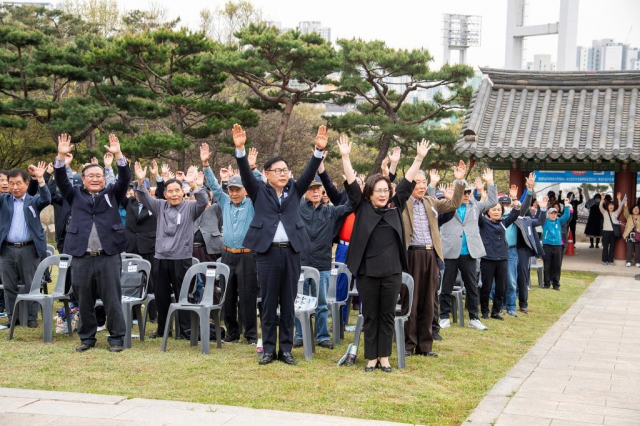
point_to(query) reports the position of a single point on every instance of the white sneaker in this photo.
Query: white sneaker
(475, 323)
(102, 328)
(445, 323)
(628, 264)
(637, 265)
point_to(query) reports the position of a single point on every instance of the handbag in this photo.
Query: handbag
(617, 229)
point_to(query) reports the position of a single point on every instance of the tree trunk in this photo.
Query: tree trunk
(284, 123)
(385, 143)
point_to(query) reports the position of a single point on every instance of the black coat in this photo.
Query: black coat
(494, 236)
(594, 222)
(103, 212)
(527, 229)
(269, 211)
(367, 219)
(139, 228)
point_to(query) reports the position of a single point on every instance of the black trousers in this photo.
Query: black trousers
(94, 277)
(423, 267)
(279, 274)
(524, 276)
(572, 227)
(630, 248)
(379, 296)
(552, 265)
(468, 270)
(168, 281)
(608, 244)
(242, 289)
(18, 266)
(493, 270)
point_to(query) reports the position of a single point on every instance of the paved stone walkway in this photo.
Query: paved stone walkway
(37, 408)
(584, 371)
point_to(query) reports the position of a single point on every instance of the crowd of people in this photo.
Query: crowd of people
(265, 225)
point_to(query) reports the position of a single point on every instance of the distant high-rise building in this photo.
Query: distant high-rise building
(582, 59)
(308, 27)
(541, 63)
(44, 4)
(612, 57)
(607, 55)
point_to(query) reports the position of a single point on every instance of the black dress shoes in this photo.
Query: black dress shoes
(83, 347)
(326, 344)
(267, 359)
(436, 336)
(408, 353)
(116, 348)
(497, 317)
(297, 343)
(287, 358)
(431, 354)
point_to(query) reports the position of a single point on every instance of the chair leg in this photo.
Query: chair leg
(306, 336)
(399, 332)
(167, 327)
(204, 332)
(359, 324)
(336, 319)
(348, 308)
(540, 278)
(454, 307)
(47, 320)
(137, 310)
(218, 329)
(67, 311)
(460, 310)
(128, 321)
(14, 318)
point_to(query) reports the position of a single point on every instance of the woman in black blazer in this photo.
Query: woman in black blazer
(377, 253)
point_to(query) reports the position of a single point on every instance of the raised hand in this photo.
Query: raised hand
(180, 175)
(543, 202)
(531, 181)
(140, 173)
(252, 157)
(394, 155)
(459, 171)
(487, 176)
(448, 192)
(423, 148)
(385, 167)
(434, 177)
(107, 160)
(321, 168)
(94, 160)
(239, 137)
(153, 168)
(114, 146)
(205, 154)
(567, 202)
(619, 196)
(37, 172)
(192, 174)
(68, 158)
(64, 146)
(200, 179)
(322, 138)
(513, 192)
(224, 174)
(344, 146)
(479, 184)
(165, 172)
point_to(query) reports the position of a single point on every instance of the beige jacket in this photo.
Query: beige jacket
(633, 220)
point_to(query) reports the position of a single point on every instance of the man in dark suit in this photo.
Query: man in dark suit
(277, 234)
(95, 238)
(22, 240)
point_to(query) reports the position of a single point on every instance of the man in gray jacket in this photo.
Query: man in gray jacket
(462, 247)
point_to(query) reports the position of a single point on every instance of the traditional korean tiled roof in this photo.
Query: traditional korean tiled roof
(583, 115)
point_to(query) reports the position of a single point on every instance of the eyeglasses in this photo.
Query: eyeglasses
(94, 177)
(279, 171)
(381, 191)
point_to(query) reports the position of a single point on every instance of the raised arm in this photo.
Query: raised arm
(37, 174)
(59, 168)
(121, 186)
(248, 180)
(201, 196)
(422, 150)
(566, 212)
(309, 173)
(332, 192)
(621, 202)
(345, 150)
(147, 200)
(492, 192)
(210, 179)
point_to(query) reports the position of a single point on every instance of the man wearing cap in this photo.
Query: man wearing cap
(95, 238)
(175, 218)
(277, 235)
(319, 221)
(237, 214)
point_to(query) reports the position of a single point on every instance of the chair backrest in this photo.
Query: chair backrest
(307, 302)
(134, 278)
(407, 280)
(337, 269)
(51, 250)
(124, 256)
(308, 273)
(62, 262)
(194, 261)
(533, 262)
(212, 271)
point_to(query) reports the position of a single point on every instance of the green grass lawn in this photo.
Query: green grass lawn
(440, 391)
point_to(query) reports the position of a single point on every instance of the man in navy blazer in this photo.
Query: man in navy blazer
(277, 234)
(22, 240)
(95, 238)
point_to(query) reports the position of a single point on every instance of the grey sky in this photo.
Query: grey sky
(415, 23)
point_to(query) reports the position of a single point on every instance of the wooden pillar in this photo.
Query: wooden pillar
(625, 182)
(516, 177)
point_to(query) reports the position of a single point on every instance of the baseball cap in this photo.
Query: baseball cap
(552, 210)
(235, 181)
(504, 200)
(77, 179)
(439, 195)
(315, 183)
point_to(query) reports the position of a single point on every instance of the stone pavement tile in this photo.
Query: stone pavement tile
(560, 422)
(540, 404)
(518, 420)
(561, 397)
(620, 421)
(174, 416)
(558, 375)
(555, 388)
(598, 409)
(590, 383)
(10, 404)
(16, 419)
(179, 405)
(522, 369)
(489, 409)
(61, 396)
(73, 409)
(555, 414)
(591, 369)
(506, 386)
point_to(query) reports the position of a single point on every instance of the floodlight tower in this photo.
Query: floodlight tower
(460, 32)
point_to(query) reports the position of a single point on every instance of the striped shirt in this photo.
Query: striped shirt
(421, 230)
(235, 219)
